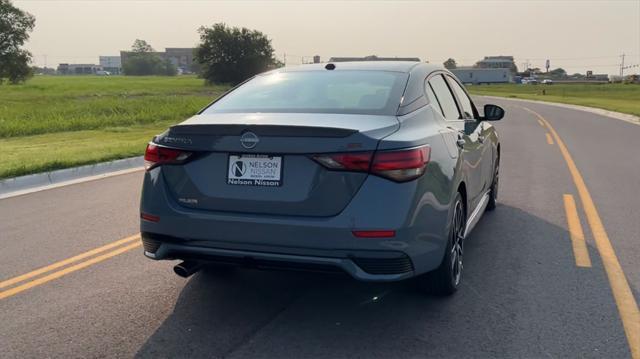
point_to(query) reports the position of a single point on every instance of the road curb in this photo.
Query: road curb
(598, 111)
(16, 186)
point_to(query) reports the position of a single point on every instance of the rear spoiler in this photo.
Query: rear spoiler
(260, 130)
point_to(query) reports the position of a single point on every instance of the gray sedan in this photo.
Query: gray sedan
(377, 169)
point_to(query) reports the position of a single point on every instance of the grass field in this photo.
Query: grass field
(615, 97)
(56, 122)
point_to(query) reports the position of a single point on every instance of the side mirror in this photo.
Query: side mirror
(493, 113)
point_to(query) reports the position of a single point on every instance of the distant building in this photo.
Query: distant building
(373, 58)
(182, 58)
(474, 75)
(597, 77)
(78, 69)
(498, 62)
(111, 64)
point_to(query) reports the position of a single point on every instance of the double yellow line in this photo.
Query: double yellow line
(625, 301)
(579, 244)
(86, 259)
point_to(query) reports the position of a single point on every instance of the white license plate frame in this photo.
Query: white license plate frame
(254, 170)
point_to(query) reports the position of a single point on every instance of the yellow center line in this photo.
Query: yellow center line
(549, 139)
(541, 123)
(625, 301)
(580, 251)
(65, 262)
(71, 269)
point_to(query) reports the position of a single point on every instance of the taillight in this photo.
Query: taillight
(396, 165)
(403, 165)
(356, 161)
(157, 155)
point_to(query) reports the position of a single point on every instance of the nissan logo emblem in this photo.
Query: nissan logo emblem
(249, 140)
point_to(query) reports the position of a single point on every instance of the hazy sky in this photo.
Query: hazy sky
(575, 35)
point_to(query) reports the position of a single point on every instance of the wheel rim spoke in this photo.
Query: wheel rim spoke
(457, 247)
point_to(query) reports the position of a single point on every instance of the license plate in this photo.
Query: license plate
(255, 170)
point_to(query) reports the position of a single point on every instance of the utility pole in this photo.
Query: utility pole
(285, 58)
(45, 60)
(622, 66)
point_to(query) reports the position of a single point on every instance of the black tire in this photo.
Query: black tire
(493, 191)
(446, 279)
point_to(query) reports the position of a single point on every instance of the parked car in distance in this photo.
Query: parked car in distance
(377, 169)
(547, 82)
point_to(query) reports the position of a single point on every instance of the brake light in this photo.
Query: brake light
(396, 165)
(156, 155)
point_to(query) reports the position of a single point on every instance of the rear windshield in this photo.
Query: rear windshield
(352, 92)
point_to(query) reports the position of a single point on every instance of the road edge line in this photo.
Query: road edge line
(621, 116)
(18, 186)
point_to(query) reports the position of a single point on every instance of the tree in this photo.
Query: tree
(450, 64)
(532, 72)
(559, 72)
(141, 46)
(231, 55)
(15, 26)
(143, 60)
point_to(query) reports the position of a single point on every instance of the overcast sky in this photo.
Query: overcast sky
(575, 35)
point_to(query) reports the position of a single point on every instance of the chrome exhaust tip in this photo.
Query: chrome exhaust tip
(187, 268)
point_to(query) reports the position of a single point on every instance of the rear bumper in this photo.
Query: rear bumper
(362, 265)
(418, 217)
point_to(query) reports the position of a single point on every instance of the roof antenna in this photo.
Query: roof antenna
(330, 67)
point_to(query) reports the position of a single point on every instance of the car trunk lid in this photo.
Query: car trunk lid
(282, 145)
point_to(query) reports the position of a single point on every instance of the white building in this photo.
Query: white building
(475, 75)
(111, 64)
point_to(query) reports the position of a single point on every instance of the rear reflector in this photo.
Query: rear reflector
(149, 217)
(374, 234)
(397, 165)
(156, 155)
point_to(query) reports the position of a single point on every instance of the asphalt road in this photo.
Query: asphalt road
(523, 294)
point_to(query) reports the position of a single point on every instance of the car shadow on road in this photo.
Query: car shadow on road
(521, 296)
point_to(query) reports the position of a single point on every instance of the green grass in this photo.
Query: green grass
(614, 97)
(57, 122)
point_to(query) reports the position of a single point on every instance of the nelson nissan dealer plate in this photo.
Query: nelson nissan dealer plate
(255, 170)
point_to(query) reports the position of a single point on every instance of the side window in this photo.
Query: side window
(445, 98)
(433, 99)
(462, 97)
